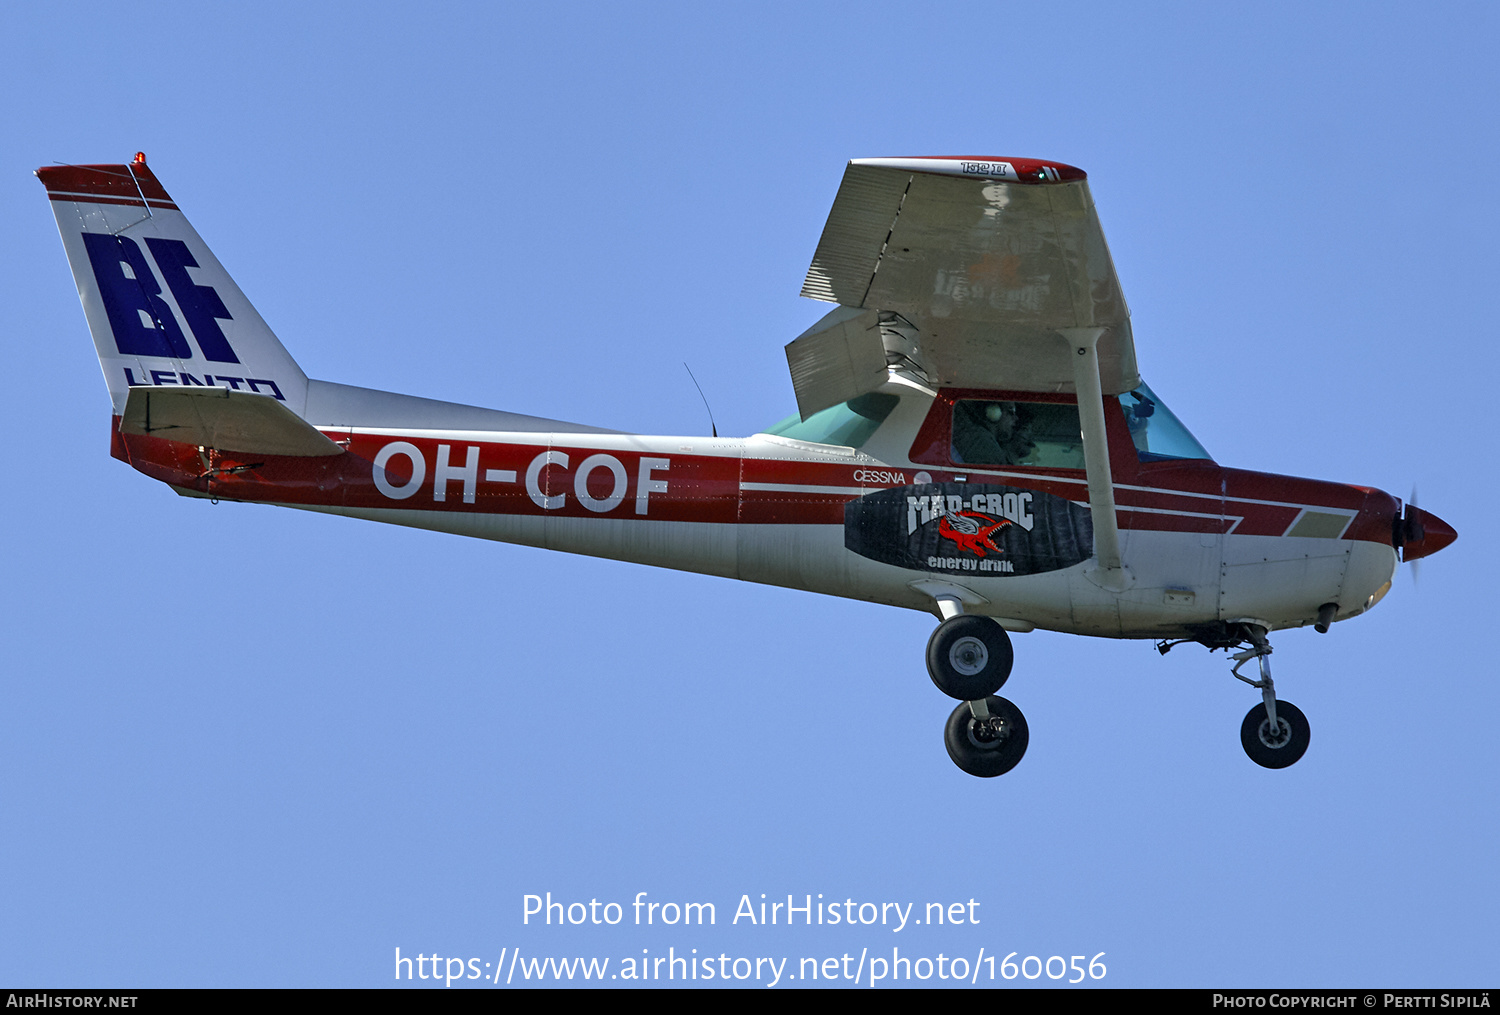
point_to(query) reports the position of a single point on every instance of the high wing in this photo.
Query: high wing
(971, 270)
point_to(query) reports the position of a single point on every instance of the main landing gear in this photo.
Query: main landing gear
(969, 658)
(1276, 733)
(987, 737)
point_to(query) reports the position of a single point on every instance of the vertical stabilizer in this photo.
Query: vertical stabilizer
(162, 310)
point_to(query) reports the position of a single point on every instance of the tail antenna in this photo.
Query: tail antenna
(712, 425)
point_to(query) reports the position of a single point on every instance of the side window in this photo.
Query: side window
(1044, 434)
(848, 425)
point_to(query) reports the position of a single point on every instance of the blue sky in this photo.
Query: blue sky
(246, 746)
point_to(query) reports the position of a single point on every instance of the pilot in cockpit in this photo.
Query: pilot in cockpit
(990, 433)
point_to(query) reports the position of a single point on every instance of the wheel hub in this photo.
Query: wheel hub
(1280, 738)
(969, 656)
(987, 733)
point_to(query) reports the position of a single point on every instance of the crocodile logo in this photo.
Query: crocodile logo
(971, 531)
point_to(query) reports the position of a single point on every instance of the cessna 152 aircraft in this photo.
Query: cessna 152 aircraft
(973, 440)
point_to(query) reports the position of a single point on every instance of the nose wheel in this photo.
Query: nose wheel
(1278, 746)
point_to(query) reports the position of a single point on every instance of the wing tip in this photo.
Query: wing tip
(1013, 170)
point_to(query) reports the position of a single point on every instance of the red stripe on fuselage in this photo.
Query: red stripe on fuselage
(1179, 497)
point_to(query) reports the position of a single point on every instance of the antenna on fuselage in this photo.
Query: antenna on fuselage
(712, 425)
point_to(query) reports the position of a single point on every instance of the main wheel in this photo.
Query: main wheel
(1280, 747)
(990, 747)
(969, 657)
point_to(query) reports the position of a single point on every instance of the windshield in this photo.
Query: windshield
(1158, 435)
(849, 424)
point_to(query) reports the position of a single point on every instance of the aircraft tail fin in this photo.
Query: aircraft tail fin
(162, 309)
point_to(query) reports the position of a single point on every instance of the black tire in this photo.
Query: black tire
(1275, 752)
(969, 657)
(975, 749)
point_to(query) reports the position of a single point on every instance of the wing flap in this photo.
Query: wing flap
(839, 358)
(222, 418)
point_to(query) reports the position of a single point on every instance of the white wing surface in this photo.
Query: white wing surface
(971, 268)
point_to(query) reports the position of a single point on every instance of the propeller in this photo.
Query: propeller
(1420, 533)
(1415, 562)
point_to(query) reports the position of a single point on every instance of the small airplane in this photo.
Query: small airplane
(973, 439)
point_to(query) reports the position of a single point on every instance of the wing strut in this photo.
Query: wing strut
(1111, 573)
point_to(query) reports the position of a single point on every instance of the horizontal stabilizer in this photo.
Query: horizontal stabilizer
(224, 419)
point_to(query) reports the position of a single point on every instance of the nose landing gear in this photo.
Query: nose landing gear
(1275, 734)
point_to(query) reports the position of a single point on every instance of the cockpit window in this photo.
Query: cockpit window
(848, 425)
(1046, 434)
(1157, 434)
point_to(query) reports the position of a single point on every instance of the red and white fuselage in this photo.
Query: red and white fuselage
(898, 520)
(1203, 543)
